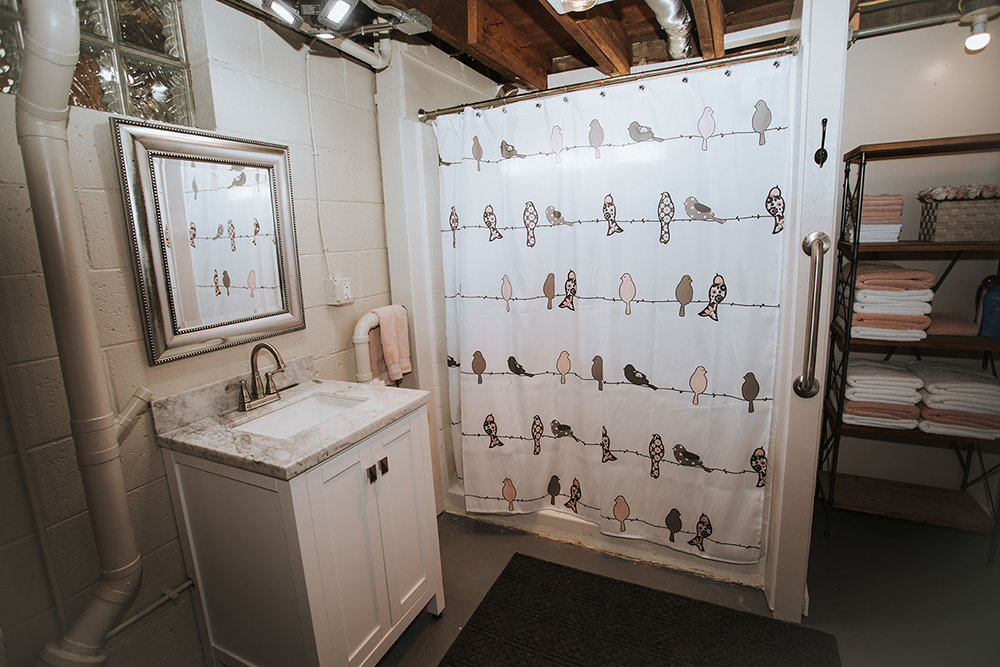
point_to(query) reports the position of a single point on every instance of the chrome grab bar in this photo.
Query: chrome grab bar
(815, 244)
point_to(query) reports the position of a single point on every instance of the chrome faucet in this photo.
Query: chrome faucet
(259, 393)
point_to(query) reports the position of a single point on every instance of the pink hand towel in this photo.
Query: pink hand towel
(389, 344)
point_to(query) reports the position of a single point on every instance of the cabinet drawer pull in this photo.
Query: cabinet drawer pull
(372, 475)
(384, 465)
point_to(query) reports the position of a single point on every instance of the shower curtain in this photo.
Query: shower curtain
(612, 270)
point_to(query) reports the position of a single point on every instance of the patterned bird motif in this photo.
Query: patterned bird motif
(226, 281)
(702, 532)
(674, 523)
(537, 429)
(609, 215)
(506, 291)
(549, 289)
(231, 228)
(665, 212)
(516, 368)
(621, 511)
(563, 431)
(574, 495)
(490, 426)
(606, 447)
(453, 223)
(698, 382)
(706, 127)
(554, 489)
(597, 371)
(655, 455)
(686, 458)
(478, 365)
(637, 378)
(716, 294)
(627, 292)
(218, 292)
(775, 206)
(758, 462)
(530, 218)
(570, 291)
(750, 389)
(555, 217)
(477, 152)
(166, 237)
(256, 230)
(557, 141)
(596, 137)
(563, 364)
(220, 230)
(490, 218)
(507, 151)
(193, 233)
(761, 119)
(641, 133)
(509, 493)
(684, 292)
(698, 211)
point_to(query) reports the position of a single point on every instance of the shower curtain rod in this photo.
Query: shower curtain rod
(792, 47)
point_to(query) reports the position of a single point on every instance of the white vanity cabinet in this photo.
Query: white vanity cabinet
(325, 569)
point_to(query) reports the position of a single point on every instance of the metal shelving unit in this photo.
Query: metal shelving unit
(944, 507)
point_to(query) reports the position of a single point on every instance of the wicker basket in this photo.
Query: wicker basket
(960, 220)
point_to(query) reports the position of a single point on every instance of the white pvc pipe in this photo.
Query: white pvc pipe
(51, 50)
(362, 360)
(378, 61)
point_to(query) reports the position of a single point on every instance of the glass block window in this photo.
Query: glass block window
(132, 58)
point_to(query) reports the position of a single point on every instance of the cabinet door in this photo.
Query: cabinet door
(348, 543)
(400, 493)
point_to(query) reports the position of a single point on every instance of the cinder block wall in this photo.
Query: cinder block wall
(250, 82)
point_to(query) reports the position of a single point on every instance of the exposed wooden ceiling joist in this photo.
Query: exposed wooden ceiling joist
(602, 36)
(709, 18)
(501, 45)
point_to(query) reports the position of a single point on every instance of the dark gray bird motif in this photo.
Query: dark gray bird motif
(716, 293)
(597, 371)
(563, 430)
(775, 207)
(490, 426)
(655, 455)
(240, 179)
(192, 234)
(637, 378)
(194, 187)
(673, 523)
(609, 215)
(706, 127)
(684, 292)
(686, 458)
(490, 218)
(549, 289)
(226, 281)
(537, 429)
(555, 217)
(516, 368)
(530, 218)
(665, 212)
(554, 489)
(640, 132)
(750, 389)
(477, 152)
(758, 462)
(761, 119)
(570, 291)
(698, 211)
(507, 151)
(702, 532)
(218, 292)
(574, 495)
(453, 223)
(478, 365)
(596, 137)
(606, 447)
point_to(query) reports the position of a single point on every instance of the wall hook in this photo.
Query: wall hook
(821, 154)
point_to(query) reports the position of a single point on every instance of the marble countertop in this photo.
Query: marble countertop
(215, 437)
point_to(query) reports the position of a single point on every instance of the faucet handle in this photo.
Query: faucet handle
(244, 400)
(271, 388)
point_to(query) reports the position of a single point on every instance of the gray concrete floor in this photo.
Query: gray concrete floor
(893, 593)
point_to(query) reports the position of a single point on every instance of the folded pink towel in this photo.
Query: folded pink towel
(951, 324)
(881, 410)
(957, 418)
(890, 277)
(389, 344)
(895, 322)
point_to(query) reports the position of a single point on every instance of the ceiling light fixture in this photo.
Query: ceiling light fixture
(335, 13)
(976, 13)
(284, 12)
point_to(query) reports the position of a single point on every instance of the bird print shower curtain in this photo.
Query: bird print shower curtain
(612, 263)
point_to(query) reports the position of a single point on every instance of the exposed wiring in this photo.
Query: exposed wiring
(315, 155)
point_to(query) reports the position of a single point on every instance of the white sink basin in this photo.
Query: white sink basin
(287, 421)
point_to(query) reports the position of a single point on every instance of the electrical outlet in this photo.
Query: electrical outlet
(338, 292)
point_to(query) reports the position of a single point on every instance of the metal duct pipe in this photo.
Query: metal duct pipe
(674, 18)
(51, 50)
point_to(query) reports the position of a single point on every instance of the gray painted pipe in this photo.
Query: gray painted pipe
(674, 18)
(51, 49)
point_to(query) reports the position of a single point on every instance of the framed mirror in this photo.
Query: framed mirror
(213, 237)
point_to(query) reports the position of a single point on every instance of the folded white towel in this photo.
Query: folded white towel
(896, 395)
(962, 431)
(941, 377)
(977, 405)
(902, 336)
(876, 233)
(885, 296)
(903, 308)
(876, 373)
(879, 422)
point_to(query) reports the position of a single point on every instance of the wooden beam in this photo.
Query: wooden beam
(710, 18)
(601, 35)
(447, 24)
(500, 44)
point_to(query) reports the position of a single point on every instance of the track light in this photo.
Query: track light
(976, 13)
(979, 38)
(284, 12)
(335, 12)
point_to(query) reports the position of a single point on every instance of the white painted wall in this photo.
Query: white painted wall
(250, 82)
(921, 85)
